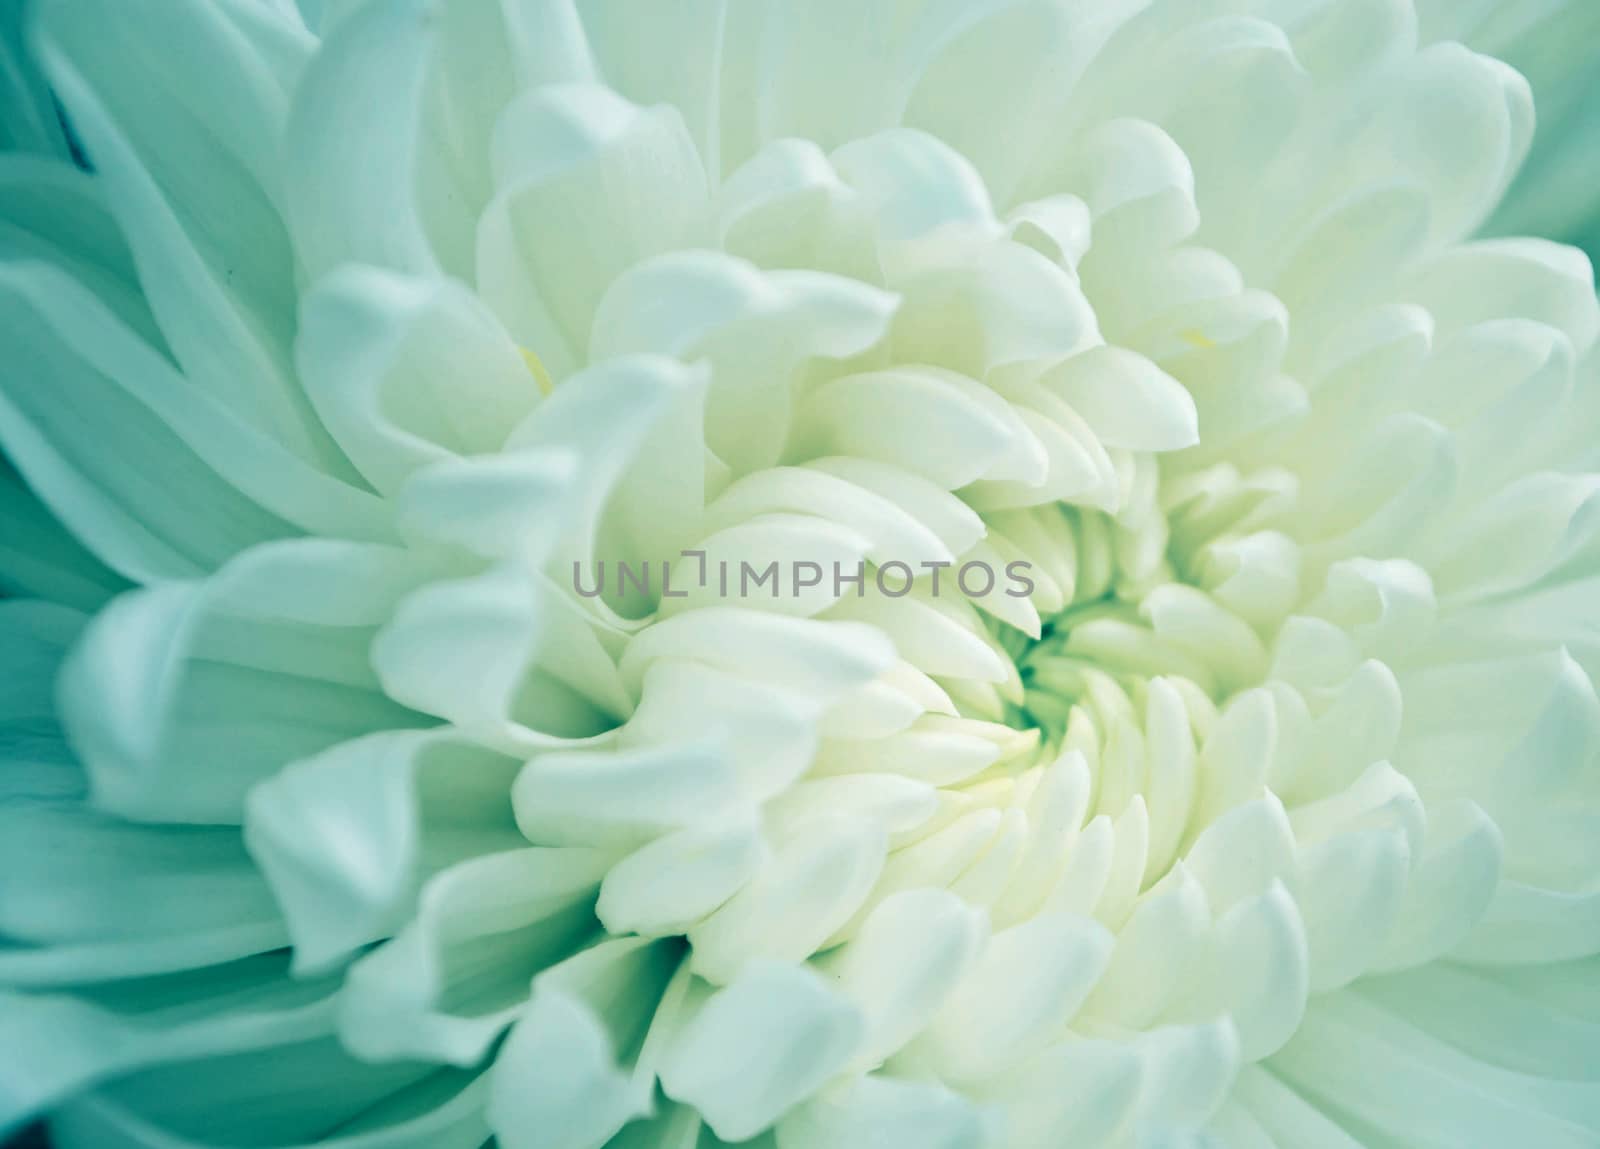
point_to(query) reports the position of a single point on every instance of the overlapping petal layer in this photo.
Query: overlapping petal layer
(339, 812)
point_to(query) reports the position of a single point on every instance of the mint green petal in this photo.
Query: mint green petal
(75, 875)
(157, 477)
(1489, 1019)
(55, 213)
(446, 986)
(113, 471)
(28, 121)
(80, 1040)
(238, 683)
(287, 1093)
(39, 559)
(351, 193)
(191, 174)
(1557, 194)
(38, 635)
(444, 1111)
(1386, 1079)
(86, 896)
(386, 812)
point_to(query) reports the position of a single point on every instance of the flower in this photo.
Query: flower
(337, 813)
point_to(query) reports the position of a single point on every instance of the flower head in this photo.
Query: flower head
(342, 809)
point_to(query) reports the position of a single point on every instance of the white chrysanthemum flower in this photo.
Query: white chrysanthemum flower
(337, 812)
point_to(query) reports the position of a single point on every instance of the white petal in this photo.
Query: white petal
(448, 983)
(623, 797)
(352, 190)
(808, 888)
(758, 1046)
(1028, 984)
(670, 885)
(408, 371)
(875, 1111)
(1127, 400)
(554, 1084)
(347, 837)
(908, 956)
(589, 185)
